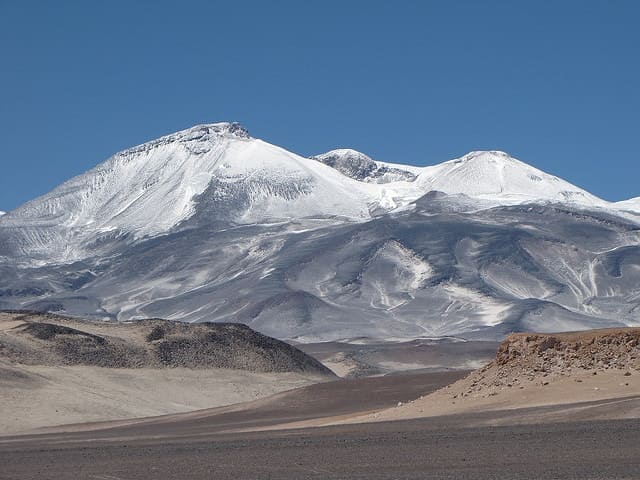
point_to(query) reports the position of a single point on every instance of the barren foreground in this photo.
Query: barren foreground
(549, 406)
(196, 446)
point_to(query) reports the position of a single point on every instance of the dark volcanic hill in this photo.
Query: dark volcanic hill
(33, 338)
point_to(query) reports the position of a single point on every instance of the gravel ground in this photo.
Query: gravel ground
(195, 446)
(394, 450)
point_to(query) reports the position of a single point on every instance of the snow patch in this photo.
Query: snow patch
(490, 310)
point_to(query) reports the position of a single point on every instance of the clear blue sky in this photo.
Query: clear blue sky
(554, 83)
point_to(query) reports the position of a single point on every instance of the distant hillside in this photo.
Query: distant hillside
(32, 338)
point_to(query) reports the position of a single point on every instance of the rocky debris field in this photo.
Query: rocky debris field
(560, 353)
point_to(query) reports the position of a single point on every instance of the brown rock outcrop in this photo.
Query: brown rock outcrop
(539, 358)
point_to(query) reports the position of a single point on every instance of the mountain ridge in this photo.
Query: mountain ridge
(473, 174)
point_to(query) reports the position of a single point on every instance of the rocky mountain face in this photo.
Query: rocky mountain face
(358, 166)
(210, 224)
(594, 350)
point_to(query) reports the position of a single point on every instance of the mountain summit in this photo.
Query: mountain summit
(212, 173)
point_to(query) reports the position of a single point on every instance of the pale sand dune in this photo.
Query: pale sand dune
(37, 396)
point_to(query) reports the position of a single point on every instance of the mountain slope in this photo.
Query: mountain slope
(421, 272)
(30, 338)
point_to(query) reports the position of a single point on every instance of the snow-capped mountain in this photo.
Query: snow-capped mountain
(2, 213)
(213, 173)
(218, 173)
(212, 224)
(489, 175)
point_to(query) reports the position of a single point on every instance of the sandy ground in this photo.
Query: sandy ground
(530, 372)
(583, 387)
(38, 396)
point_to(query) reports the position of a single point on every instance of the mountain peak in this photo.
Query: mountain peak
(222, 128)
(197, 139)
(342, 153)
(498, 176)
(349, 162)
(206, 131)
(361, 167)
(490, 156)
